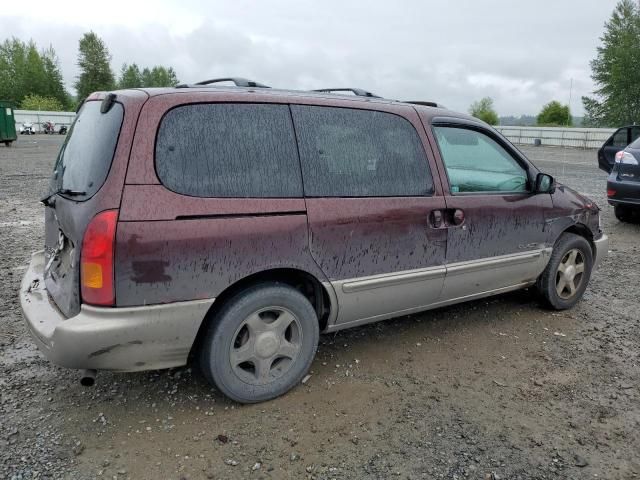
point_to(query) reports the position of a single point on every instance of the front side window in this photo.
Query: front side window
(359, 153)
(229, 150)
(477, 163)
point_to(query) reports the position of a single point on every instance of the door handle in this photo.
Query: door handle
(457, 218)
(436, 219)
(447, 218)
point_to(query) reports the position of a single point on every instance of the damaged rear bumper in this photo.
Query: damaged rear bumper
(123, 339)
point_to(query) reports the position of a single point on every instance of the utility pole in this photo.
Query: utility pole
(570, 95)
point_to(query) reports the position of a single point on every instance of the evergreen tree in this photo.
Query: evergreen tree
(615, 71)
(55, 82)
(159, 76)
(25, 71)
(95, 71)
(13, 59)
(130, 76)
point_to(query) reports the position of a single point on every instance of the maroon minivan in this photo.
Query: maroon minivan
(236, 223)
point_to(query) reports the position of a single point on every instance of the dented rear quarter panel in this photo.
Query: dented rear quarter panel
(72, 217)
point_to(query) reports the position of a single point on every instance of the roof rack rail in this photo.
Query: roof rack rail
(356, 91)
(238, 81)
(425, 103)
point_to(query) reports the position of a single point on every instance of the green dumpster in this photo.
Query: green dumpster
(7, 123)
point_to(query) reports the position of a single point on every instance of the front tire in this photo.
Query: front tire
(567, 274)
(261, 343)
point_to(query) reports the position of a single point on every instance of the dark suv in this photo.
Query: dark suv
(623, 184)
(236, 223)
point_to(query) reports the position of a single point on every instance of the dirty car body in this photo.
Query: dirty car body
(365, 208)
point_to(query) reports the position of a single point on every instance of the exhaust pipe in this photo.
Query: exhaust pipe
(88, 378)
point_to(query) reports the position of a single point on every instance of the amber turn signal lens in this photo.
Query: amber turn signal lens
(91, 275)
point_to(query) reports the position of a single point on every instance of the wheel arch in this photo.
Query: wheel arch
(321, 296)
(581, 230)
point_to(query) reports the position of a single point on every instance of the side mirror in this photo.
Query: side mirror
(545, 183)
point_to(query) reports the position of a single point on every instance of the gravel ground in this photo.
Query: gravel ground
(497, 388)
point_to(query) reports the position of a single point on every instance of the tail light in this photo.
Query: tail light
(611, 192)
(626, 158)
(96, 259)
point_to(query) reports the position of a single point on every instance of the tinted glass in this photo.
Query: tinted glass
(229, 150)
(620, 138)
(85, 157)
(477, 163)
(636, 144)
(359, 153)
(635, 134)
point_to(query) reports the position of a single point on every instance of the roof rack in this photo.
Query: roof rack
(356, 91)
(425, 103)
(238, 81)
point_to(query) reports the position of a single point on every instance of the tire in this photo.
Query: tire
(261, 343)
(559, 295)
(8, 143)
(624, 214)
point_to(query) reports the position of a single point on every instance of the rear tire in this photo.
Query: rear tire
(261, 343)
(623, 213)
(567, 274)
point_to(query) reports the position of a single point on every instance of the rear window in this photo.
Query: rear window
(85, 158)
(229, 150)
(359, 153)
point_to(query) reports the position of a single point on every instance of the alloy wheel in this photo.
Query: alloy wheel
(570, 274)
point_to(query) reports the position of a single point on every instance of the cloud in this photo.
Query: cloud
(523, 54)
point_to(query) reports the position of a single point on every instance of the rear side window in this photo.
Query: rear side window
(359, 153)
(85, 158)
(620, 138)
(229, 150)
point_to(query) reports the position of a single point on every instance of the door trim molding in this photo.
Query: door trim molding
(354, 291)
(382, 280)
(492, 262)
(377, 318)
(390, 279)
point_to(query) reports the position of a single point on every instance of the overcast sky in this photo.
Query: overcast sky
(522, 53)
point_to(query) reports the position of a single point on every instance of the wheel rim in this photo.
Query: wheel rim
(265, 345)
(570, 274)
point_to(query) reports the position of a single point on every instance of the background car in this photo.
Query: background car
(616, 142)
(623, 184)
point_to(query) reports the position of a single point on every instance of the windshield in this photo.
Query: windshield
(85, 157)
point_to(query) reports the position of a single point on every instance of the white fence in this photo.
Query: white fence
(557, 136)
(39, 117)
